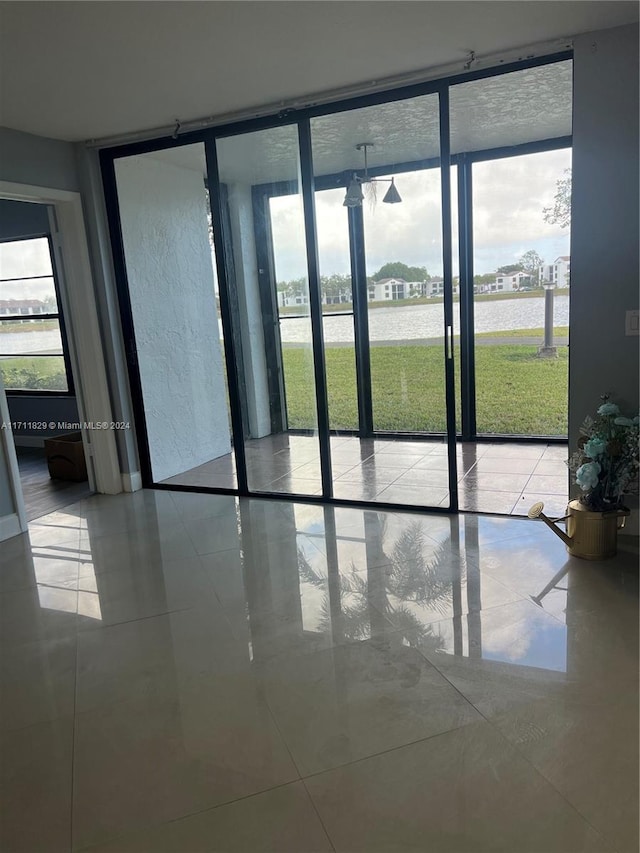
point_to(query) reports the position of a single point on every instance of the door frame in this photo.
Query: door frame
(86, 354)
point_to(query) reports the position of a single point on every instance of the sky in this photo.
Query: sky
(509, 197)
(28, 258)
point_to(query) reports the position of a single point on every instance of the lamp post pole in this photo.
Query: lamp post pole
(548, 350)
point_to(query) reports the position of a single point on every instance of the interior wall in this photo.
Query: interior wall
(20, 219)
(604, 225)
(165, 233)
(36, 160)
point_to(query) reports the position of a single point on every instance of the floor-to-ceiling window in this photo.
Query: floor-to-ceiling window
(382, 276)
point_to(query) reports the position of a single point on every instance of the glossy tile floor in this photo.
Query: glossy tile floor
(502, 478)
(184, 672)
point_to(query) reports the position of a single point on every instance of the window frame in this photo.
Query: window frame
(59, 316)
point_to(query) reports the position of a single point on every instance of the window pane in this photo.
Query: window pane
(521, 284)
(25, 373)
(30, 336)
(28, 297)
(25, 258)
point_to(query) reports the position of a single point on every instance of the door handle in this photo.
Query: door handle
(448, 343)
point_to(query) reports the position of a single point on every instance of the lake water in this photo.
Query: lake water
(413, 322)
(406, 323)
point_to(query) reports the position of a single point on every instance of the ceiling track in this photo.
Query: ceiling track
(472, 62)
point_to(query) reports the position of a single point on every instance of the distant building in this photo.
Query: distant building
(388, 288)
(22, 307)
(433, 287)
(558, 273)
(509, 281)
(288, 300)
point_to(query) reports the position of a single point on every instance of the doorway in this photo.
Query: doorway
(35, 361)
(85, 355)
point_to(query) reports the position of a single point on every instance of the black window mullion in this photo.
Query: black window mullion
(29, 317)
(222, 246)
(447, 268)
(360, 294)
(315, 303)
(467, 347)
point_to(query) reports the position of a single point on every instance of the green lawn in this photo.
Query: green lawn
(517, 393)
(34, 374)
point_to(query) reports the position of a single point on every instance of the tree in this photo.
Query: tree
(396, 269)
(530, 263)
(485, 278)
(508, 268)
(293, 288)
(560, 213)
(336, 287)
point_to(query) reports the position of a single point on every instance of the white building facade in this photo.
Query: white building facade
(558, 273)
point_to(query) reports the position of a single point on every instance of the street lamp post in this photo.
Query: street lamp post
(548, 350)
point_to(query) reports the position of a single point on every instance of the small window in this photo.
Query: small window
(33, 349)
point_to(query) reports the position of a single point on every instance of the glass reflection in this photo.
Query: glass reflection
(331, 579)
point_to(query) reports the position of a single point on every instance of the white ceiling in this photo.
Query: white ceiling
(80, 70)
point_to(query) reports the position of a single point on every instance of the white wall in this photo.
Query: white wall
(604, 225)
(164, 228)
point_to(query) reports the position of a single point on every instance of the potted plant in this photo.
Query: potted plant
(605, 467)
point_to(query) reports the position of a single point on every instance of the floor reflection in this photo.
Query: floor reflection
(328, 579)
(166, 654)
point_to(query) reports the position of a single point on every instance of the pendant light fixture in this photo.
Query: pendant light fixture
(355, 196)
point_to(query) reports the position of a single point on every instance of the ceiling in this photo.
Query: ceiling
(84, 70)
(524, 106)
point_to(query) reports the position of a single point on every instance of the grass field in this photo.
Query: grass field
(34, 374)
(517, 393)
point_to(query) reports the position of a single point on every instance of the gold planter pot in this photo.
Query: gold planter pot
(593, 535)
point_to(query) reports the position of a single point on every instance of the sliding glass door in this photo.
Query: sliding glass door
(385, 356)
(264, 260)
(355, 372)
(288, 287)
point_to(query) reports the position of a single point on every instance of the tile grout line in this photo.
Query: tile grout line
(520, 753)
(73, 745)
(551, 784)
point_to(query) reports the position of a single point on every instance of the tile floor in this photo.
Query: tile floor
(502, 478)
(184, 672)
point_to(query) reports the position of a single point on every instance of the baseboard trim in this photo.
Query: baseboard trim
(27, 441)
(132, 482)
(9, 527)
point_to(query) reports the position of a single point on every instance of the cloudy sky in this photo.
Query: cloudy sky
(509, 197)
(25, 258)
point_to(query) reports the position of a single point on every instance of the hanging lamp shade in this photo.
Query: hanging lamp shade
(354, 196)
(392, 196)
